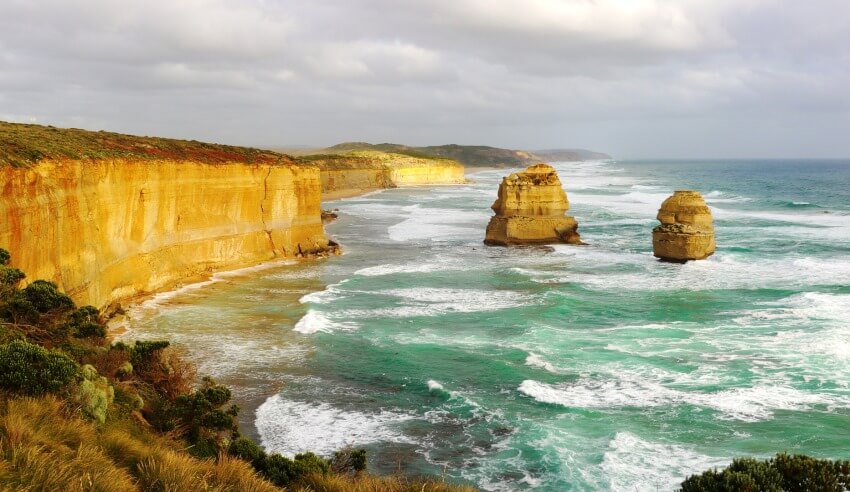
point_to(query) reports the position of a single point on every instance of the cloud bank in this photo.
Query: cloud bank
(636, 78)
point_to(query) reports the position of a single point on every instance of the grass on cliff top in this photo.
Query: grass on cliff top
(23, 145)
(357, 159)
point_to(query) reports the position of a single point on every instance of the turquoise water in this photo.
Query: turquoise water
(567, 368)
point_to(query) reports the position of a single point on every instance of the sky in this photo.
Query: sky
(634, 78)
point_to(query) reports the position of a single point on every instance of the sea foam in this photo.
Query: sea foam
(291, 427)
(316, 322)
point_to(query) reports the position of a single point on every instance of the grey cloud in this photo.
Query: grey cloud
(726, 77)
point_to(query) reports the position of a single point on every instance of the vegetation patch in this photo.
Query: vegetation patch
(783, 472)
(22, 145)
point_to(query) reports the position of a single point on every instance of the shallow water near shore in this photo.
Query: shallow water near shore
(566, 368)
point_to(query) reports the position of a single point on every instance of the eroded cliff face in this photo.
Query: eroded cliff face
(354, 173)
(111, 230)
(686, 231)
(530, 209)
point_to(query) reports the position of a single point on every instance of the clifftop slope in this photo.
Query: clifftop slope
(22, 145)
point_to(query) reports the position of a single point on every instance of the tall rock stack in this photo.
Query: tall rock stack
(530, 210)
(686, 231)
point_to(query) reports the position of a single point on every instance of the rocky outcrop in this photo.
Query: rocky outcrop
(530, 210)
(357, 172)
(686, 231)
(107, 230)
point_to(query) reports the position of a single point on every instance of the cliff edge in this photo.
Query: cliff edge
(109, 217)
(530, 209)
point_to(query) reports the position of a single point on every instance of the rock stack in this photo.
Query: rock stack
(686, 231)
(530, 210)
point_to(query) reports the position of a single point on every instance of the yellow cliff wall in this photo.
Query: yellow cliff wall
(110, 230)
(427, 175)
(358, 172)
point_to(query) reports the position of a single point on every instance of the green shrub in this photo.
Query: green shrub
(45, 296)
(783, 472)
(89, 330)
(32, 370)
(247, 450)
(142, 353)
(283, 471)
(10, 276)
(349, 460)
(95, 394)
(18, 309)
(201, 409)
(5, 256)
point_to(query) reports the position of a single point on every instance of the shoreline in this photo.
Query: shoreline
(113, 312)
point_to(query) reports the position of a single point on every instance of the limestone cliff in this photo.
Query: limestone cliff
(686, 231)
(106, 230)
(353, 173)
(530, 209)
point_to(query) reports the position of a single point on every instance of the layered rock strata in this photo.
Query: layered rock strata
(530, 209)
(107, 230)
(354, 173)
(686, 231)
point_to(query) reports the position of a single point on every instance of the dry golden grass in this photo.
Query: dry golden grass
(42, 447)
(45, 447)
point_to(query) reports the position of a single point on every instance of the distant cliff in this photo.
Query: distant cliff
(468, 155)
(355, 172)
(476, 155)
(109, 216)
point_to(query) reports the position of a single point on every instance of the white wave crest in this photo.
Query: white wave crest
(315, 322)
(631, 463)
(746, 404)
(291, 427)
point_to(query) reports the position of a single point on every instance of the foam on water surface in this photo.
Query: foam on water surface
(292, 427)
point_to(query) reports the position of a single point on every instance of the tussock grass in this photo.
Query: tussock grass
(44, 446)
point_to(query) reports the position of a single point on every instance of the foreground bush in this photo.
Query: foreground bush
(32, 370)
(781, 473)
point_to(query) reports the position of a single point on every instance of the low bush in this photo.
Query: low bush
(33, 370)
(349, 460)
(45, 297)
(783, 472)
(283, 471)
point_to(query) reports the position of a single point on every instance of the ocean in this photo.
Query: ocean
(589, 367)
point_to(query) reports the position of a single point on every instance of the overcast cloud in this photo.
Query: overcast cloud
(635, 78)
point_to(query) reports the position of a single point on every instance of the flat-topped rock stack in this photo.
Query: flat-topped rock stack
(686, 231)
(531, 209)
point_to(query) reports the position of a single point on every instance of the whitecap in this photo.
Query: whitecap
(392, 269)
(631, 463)
(331, 293)
(746, 404)
(315, 322)
(423, 301)
(290, 427)
(535, 360)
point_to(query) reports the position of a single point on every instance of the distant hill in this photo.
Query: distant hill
(468, 155)
(474, 155)
(570, 155)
